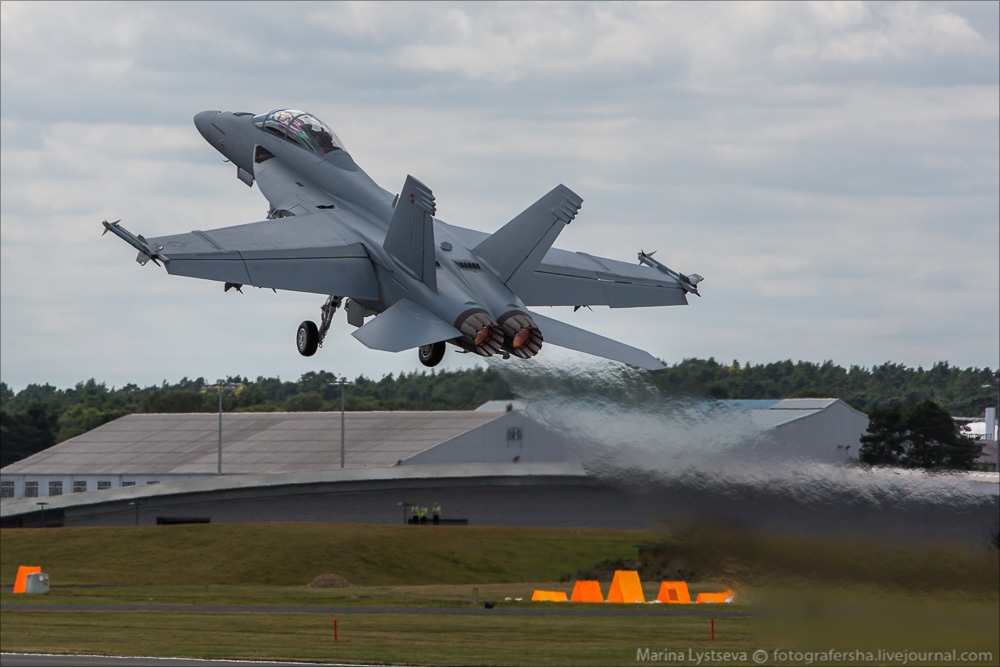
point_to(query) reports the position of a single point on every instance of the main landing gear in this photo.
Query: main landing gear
(309, 337)
(431, 355)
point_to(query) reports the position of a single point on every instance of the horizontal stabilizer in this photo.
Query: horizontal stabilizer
(410, 239)
(403, 326)
(516, 249)
(574, 338)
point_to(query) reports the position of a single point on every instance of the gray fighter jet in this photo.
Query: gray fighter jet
(331, 230)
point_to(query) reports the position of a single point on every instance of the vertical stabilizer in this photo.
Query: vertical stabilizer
(517, 248)
(410, 239)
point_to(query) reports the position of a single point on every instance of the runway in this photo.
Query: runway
(39, 660)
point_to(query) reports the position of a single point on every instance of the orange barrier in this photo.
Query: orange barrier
(22, 577)
(674, 591)
(715, 597)
(587, 591)
(550, 596)
(625, 587)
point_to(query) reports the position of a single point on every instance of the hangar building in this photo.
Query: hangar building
(493, 466)
(143, 449)
(489, 467)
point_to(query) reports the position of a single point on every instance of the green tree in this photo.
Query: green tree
(24, 433)
(308, 402)
(178, 401)
(922, 435)
(82, 418)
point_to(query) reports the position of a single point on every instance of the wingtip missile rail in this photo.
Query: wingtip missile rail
(689, 283)
(137, 242)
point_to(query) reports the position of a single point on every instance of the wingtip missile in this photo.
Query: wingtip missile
(689, 283)
(137, 242)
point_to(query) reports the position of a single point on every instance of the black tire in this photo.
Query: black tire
(431, 355)
(307, 338)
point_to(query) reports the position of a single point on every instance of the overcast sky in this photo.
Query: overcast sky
(830, 168)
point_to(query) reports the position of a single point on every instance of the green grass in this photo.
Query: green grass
(808, 615)
(383, 638)
(294, 554)
(804, 594)
(452, 595)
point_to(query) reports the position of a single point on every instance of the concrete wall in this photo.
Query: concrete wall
(488, 502)
(550, 501)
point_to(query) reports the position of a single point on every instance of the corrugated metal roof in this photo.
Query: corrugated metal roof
(803, 403)
(255, 443)
(773, 413)
(252, 443)
(781, 403)
(750, 404)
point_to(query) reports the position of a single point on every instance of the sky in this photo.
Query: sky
(831, 169)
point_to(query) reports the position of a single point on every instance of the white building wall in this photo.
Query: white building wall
(832, 435)
(18, 485)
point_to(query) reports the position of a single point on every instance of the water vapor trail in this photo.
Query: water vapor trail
(694, 457)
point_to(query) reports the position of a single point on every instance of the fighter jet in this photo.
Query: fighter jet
(406, 279)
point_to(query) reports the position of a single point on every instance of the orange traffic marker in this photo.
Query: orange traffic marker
(587, 591)
(625, 587)
(727, 596)
(674, 591)
(22, 577)
(550, 596)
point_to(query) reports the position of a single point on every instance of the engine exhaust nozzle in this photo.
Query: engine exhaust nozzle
(480, 332)
(521, 336)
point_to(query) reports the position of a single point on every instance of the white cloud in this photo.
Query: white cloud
(830, 168)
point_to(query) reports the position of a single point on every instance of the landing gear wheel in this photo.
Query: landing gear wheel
(431, 355)
(307, 339)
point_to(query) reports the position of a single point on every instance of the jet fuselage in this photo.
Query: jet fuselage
(488, 314)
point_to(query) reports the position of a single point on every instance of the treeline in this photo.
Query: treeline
(40, 416)
(963, 392)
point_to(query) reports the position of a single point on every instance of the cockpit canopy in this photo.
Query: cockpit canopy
(301, 128)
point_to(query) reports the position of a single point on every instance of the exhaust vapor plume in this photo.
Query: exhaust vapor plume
(691, 457)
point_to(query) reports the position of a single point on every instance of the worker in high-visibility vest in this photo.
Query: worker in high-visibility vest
(415, 513)
(436, 513)
(423, 514)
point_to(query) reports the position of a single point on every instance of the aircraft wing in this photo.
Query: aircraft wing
(307, 253)
(565, 278)
(577, 279)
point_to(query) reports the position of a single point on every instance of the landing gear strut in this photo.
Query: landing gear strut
(431, 355)
(309, 338)
(328, 309)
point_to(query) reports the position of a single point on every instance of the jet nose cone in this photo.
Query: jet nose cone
(203, 121)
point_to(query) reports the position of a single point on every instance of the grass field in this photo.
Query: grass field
(803, 595)
(293, 554)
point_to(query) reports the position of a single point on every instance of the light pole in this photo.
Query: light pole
(137, 504)
(342, 382)
(222, 385)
